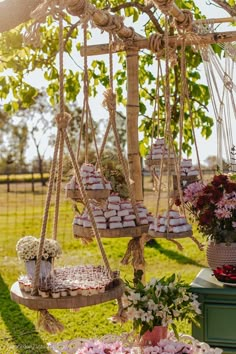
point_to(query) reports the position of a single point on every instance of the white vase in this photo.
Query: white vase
(30, 268)
(45, 268)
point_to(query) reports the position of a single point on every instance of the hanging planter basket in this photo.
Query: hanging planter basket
(136, 231)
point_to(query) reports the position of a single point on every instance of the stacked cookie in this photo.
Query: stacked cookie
(91, 178)
(187, 169)
(171, 222)
(159, 150)
(115, 214)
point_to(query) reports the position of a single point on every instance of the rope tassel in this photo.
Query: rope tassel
(49, 323)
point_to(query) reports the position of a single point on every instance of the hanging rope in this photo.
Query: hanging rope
(65, 119)
(35, 282)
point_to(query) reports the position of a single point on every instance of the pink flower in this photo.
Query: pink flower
(223, 214)
(192, 192)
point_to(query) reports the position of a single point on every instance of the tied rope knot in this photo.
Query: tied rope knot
(109, 100)
(63, 120)
(135, 250)
(186, 24)
(157, 45)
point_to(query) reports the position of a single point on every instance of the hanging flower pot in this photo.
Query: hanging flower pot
(153, 337)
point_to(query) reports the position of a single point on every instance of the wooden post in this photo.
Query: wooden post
(132, 110)
(32, 181)
(8, 182)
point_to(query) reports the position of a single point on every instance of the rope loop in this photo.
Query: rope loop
(185, 25)
(63, 120)
(157, 45)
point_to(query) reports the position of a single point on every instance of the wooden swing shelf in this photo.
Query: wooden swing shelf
(170, 235)
(137, 231)
(157, 162)
(99, 194)
(67, 302)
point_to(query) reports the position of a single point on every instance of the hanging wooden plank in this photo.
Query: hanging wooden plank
(137, 231)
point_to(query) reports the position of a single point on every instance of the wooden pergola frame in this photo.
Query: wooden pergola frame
(132, 43)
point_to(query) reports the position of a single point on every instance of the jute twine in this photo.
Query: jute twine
(135, 251)
(187, 24)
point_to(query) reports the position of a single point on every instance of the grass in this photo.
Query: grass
(21, 214)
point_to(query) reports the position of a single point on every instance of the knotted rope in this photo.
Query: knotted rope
(187, 24)
(157, 46)
(110, 103)
(135, 251)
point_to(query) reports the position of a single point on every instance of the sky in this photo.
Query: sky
(206, 147)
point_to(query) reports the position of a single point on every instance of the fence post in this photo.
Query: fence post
(8, 182)
(32, 181)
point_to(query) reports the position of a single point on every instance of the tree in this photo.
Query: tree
(21, 59)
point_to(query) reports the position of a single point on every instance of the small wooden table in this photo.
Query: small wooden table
(218, 319)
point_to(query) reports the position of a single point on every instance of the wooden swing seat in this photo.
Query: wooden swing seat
(99, 194)
(137, 231)
(67, 302)
(170, 235)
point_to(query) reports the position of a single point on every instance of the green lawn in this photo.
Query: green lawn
(21, 214)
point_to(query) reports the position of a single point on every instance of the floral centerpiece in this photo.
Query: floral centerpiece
(213, 206)
(27, 248)
(161, 302)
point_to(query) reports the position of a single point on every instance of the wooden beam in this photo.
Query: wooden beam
(191, 39)
(207, 21)
(174, 11)
(102, 19)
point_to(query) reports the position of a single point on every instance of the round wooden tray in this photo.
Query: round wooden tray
(137, 231)
(67, 302)
(157, 162)
(75, 194)
(170, 235)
